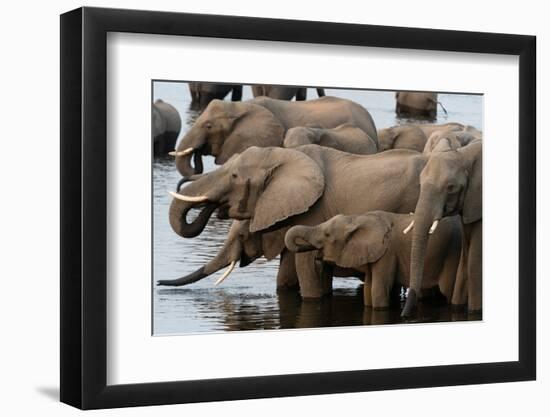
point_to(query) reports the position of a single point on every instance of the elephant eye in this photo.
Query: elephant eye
(451, 188)
(208, 126)
(234, 176)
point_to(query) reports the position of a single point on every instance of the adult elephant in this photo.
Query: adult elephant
(225, 128)
(276, 188)
(450, 184)
(402, 137)
(417, 104)
(280, 92)
(242, 247)
(204, 93)
(345, 138)
(166, 123)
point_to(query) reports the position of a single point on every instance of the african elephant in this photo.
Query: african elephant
(417, 104)
(345, 138)
(374, 243)
(283, 93)
(448, 139)
(402, 137)
(166, 123)
(204, 93)
(225, 128)
(276, 188)
(450, 184)
(244, 247)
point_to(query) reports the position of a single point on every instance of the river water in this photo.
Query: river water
(247, 299)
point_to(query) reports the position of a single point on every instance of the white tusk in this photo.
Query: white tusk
(226, 273)
(434, 226)
(198, 199)
(181, 153)
(409, 227)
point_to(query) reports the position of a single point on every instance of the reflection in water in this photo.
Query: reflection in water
(248, 299)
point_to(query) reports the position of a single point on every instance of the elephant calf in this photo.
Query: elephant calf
(346, 138)
(378, 245)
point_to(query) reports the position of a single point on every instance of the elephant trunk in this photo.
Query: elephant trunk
(427, 212)
(189, 147)
(298, 239)
(178, 218)
(186, 280)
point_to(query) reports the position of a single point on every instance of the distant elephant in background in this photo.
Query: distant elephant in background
(402, 137)
(280, 92)
(204, 93)
(417, 104)
(375, 244)
(450, 184)
(345, 138)
(166, 123)
(227, 128)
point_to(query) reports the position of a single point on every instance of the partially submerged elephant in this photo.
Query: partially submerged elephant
(275, 188)
(374, 243)
(166, 123)
(345, 138)
(204, 93)
(417, 104)
(225, 128)
(281, 92)
(450, 184)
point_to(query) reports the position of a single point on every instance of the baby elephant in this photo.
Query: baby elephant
(346, 138)
(378, 245)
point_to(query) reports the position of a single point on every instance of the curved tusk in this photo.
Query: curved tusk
(409, 227)
(226, 273)
(181, 153)
(198, 199)
(434, 226)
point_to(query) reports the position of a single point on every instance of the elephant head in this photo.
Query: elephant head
(224, 129)
(240, 246)
(346, 241)
(450, 184)
(263, 185)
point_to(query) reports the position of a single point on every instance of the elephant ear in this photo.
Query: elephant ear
(368, 239)
(295, 182)
(473, 207)
(252, 125)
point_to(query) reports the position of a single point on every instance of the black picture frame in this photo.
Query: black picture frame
(84, 207)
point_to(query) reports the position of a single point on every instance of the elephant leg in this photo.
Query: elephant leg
(287, 278)
(312, 283)
(301, 94)
(383, 276)
(367, 290)
(237, 93)
(474, 235)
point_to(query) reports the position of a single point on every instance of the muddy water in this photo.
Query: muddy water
(248, 300)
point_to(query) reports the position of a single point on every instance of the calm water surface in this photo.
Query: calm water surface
(247, 299)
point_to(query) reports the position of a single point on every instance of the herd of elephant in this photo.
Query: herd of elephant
(315, 183)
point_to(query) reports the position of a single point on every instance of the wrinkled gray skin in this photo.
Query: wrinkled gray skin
(345, 138)
(204, 93)
(226, 128)
(276, 188)
(417, 104)
(450, 184)
(402, 137)
(446, 139)
(283, 93)
(166, 123)
(374, 243)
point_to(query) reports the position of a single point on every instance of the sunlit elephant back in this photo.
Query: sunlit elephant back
(227, 128)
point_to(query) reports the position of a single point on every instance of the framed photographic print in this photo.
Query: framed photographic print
(258, 208)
